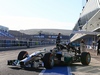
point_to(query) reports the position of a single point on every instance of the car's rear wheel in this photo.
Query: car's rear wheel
(85, 58)
(48, 60)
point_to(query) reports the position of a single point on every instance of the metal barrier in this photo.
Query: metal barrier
(8, 44)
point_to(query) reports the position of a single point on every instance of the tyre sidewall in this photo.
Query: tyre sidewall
(48, 60)
(85, 58)
(22, 55)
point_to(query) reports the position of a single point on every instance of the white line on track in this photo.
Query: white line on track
(69, 71)
(42, 72)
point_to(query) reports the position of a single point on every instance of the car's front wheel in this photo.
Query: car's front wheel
(48, 60)
(22, 55)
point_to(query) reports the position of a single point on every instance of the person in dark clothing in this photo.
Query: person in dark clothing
(98, 51)
(58, 38)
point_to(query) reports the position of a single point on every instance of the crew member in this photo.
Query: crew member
(58, 40)
(82, 46)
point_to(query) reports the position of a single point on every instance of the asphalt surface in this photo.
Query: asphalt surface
(76, 68)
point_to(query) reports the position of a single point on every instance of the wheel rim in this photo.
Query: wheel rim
(52, 61)
(88, 58)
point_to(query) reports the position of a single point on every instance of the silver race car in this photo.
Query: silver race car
(57, 56)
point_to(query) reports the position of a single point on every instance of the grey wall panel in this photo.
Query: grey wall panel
(90, 6)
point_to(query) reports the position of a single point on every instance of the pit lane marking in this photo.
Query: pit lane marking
(57, 71)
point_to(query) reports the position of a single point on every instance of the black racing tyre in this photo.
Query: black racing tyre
(85, 58)
(22, 55)
(48, 60)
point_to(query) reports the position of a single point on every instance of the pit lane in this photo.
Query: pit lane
(76, 68)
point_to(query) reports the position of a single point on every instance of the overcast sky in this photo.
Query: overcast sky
(40, 14)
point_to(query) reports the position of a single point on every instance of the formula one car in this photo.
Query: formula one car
(57, 56)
